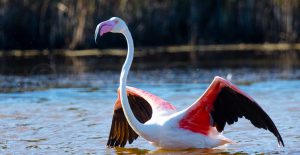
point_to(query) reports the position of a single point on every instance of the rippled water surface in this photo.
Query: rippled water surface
(71, 114)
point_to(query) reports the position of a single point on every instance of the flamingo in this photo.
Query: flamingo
(140, 113)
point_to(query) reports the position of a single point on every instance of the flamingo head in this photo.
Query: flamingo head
(114, 24)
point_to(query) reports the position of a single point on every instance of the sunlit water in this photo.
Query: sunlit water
(71, 114)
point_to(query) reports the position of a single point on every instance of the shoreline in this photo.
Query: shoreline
(280, 55)
(143, 51)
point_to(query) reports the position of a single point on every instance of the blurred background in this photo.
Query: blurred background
(180, 33)
(70, 24)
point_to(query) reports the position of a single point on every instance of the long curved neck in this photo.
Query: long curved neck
(133, 122)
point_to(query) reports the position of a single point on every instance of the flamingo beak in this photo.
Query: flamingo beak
(103, 28)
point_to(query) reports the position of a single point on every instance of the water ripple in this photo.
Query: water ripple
(73, 115)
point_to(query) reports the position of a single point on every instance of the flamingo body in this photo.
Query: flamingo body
(140, 113)
(165, 128)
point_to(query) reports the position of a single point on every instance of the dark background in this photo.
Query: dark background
(70, 24)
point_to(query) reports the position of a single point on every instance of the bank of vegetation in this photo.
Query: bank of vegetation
(70, 24)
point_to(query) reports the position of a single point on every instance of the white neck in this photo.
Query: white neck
(133, 122)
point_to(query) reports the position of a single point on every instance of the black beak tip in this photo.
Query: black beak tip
(96, 37)
(96, 40)
(96, 33)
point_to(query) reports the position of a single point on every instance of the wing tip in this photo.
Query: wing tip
(115, 145)
(280, 141)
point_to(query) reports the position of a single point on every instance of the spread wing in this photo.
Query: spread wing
(121, 132)
(224, 103)
(142, 104)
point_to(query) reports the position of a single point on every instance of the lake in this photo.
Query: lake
(71, 114)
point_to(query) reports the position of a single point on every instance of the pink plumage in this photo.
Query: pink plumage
(140, 113)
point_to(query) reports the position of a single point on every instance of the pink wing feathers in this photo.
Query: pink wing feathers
(143, 106)
(158, 105)
(224, 103)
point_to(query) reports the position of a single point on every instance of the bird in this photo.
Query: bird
(200, 125)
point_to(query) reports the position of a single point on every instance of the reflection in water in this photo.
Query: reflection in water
(92, 81)
(73, 115)
(173, 152)
(119, 150)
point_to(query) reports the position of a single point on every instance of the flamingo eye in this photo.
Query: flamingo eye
(116, 21)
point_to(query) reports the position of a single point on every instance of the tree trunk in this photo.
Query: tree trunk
(194, 30)
(78, 36)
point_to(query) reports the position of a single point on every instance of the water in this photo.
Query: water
(71, 114)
